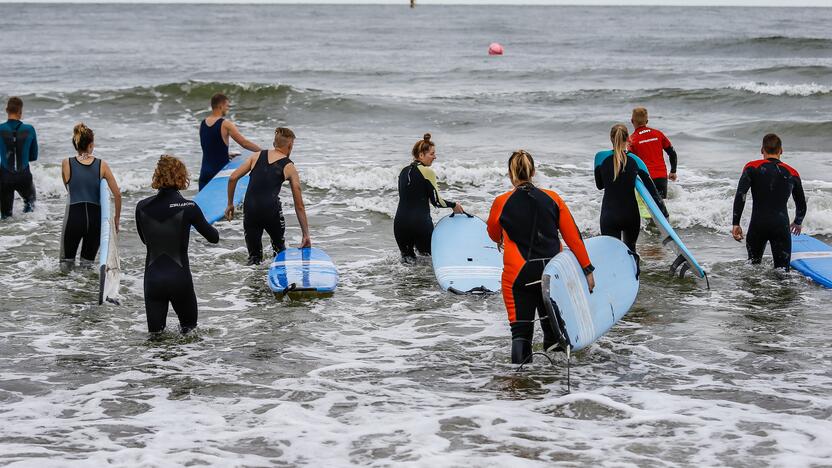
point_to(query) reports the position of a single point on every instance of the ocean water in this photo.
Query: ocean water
(391, 371)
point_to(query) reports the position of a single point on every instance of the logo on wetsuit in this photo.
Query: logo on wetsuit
(180, 205)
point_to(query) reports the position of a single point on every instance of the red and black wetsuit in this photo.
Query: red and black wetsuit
(648, 143)
(771, 182)
(527, 220)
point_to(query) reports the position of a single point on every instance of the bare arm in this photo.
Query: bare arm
(65, 172)
(238, 137)
(291, 174)
(244, 169)
(111, 182)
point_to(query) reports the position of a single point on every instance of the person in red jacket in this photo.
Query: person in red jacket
(648, 143)
(524, 223)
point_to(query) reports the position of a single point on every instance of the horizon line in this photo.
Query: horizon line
(419, 3)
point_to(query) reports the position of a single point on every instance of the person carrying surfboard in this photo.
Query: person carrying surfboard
(18, 147)
(82, 176)
(214, 132)
(771, 182)
(261, 208)
(615, 173)
(164, 223)
(648, 144)
(412, 225)
(524, 223)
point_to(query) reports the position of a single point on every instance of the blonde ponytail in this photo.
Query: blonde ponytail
(520, 167)
(82, 137)
(618, 136)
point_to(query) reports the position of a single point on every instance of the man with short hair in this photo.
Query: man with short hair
(214, 132)
(771, 182)
(648, 143)
(18, 147)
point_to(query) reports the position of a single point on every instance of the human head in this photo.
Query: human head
(424, 150)
(14, 107)
(170, 173)
(772, 145)
(284, 140)
(639, 118)
(83, 138)
(520, 167)
(618, 136)
(220, 102)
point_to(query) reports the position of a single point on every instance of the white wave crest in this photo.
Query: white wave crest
(778, 89)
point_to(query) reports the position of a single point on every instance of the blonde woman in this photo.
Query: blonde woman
(525, 223)
(164, 225)
(615, 173)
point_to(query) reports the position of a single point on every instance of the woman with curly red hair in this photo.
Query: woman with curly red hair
(164, 224)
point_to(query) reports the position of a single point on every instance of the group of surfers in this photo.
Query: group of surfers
(526, 223)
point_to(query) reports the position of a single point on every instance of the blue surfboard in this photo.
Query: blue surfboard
(213, 198)
(813, 258)
(584, 317)
(465, 260)
(668, 234)
(308, 270)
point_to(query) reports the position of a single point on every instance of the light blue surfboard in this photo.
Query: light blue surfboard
(584, 317)
(465, 260)
(668, 234)
(213, 198)
(813, 258)
(308, 270)
(109, 265)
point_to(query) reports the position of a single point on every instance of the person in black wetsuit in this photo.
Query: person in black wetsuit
(82, 177)
(214, 132)
(615, 173)
(164, 222)
(261, 208)
(18, 147)
(413, 225)
(771, 182)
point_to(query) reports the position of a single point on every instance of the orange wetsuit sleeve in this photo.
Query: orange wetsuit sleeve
(495, 231)
(570, 232)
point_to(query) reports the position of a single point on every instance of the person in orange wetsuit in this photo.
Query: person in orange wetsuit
(525, 223)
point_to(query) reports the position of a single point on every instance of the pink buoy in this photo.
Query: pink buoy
(495, 49)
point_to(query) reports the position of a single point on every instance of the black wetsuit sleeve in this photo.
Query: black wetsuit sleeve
(671, 154)
(651, 187)
(739, 199)
(139, 222)
(599, 179)
(799, 201)
(199, 222)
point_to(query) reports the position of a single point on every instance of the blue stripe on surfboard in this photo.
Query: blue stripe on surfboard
(666, 229)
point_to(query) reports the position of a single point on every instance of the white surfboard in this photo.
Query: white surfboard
(109, 264)
(465, 260)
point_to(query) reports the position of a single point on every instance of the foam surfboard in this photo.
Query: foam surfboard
(308, 270)
(213, 198)
(669, 236)
(465, 260)
(813, 258)
(109, 265)
(584, 317)
(642, 208)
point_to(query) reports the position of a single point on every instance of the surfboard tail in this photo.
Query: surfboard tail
(555, 322)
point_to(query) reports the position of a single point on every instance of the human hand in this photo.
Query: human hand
(672, 176)
(736, 231)
(229, 212)
(305, 242)
(458, 209)
(117, 223)
(590, 282)
(795, 228)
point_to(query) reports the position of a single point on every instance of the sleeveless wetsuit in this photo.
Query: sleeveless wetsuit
(527, 221)
(771, 183)
(619, 209)
(83, 216)
(214, 151)
(413, 225)
(262, 209)
(18, 147)
(164, 225)
(648, 143)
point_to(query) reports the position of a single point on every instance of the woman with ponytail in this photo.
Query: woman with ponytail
(615, 173)
(82, 176)
(413, 225)
(525, 223)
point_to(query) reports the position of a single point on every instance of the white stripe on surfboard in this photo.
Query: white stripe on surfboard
(224, 173)
(302, 262)
(811, 255)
